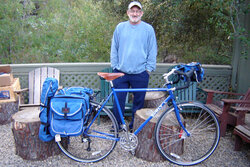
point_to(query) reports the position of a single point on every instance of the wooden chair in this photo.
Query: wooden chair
(188, 94)
(36, 79)
(242, 130)
(225, 113)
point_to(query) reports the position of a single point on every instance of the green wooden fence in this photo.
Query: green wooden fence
(217, 77)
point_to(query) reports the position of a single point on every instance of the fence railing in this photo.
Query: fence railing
(216, 77)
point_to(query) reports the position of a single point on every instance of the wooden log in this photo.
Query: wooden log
(25, 128)
(7, 109)
(154, 99)
(147, 148)
(9, 106)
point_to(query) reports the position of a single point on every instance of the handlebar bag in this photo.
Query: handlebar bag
(198, 71)
(67, 115)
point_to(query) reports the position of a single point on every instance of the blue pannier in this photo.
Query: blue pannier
(68, 109)
(50, 86)
(67, 115)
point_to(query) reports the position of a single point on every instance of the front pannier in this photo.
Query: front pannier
(67, 115)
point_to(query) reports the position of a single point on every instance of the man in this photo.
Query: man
(133, 52)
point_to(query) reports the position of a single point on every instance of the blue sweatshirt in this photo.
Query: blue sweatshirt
(134, 48)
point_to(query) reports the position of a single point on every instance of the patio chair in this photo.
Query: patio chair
(36, 79)
(225, 113)
(242, 130)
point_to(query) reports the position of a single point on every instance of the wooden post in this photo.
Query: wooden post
(25, 128)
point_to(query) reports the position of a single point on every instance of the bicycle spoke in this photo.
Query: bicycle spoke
(96, 143)
(173, 142)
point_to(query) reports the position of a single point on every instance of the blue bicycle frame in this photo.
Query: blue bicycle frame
(169, 89)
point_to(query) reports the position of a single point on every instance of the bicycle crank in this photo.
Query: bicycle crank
(128, 141)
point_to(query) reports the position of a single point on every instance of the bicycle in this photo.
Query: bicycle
(197, 128)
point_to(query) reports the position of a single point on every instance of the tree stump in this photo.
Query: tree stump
(154, 99)
(7, 109)
(9, 106)
(147, 148)
(25, 128)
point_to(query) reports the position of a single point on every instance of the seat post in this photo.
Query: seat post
(111, 84)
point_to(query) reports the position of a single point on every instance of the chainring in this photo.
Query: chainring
(131, 144)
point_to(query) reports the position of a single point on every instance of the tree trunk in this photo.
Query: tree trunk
(154, 99)
(25, 129)
(147, 148)
(9, 106)
(7, 109)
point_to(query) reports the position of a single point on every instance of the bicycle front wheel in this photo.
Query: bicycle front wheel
(97, 141)
(173, 142)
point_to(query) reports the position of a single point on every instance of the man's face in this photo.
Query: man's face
(135, 15)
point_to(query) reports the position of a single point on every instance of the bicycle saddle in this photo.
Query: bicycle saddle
(110, 76)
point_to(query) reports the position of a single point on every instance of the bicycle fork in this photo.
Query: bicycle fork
(178, 117)
(177, 114)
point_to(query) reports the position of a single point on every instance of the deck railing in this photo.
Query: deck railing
(216, 77)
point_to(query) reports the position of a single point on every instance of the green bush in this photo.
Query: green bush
(60, 31)
(81, 31)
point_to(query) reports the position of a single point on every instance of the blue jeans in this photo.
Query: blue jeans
(134, 81)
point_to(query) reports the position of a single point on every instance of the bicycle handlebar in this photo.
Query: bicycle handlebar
(187, 75)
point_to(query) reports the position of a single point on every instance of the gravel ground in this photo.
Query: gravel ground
(223, 156)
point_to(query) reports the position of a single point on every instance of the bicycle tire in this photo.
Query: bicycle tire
(87, 149)
(173, 143)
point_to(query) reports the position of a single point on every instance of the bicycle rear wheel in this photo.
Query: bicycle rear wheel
(176, 146)
(95, 143)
